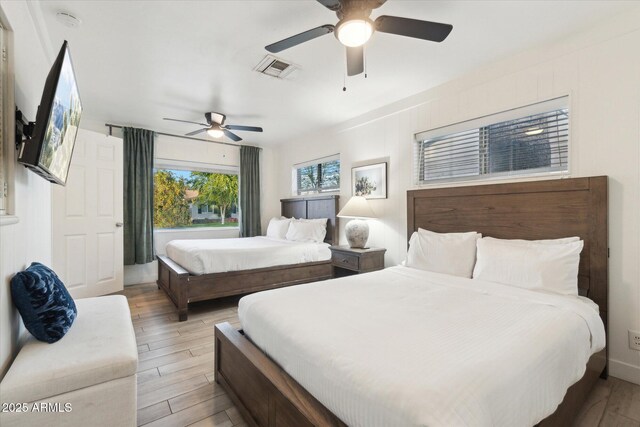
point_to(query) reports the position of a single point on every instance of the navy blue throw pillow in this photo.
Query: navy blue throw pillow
(47, 309)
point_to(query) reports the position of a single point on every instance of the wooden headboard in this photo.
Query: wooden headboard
(526, 210)
(314, 207)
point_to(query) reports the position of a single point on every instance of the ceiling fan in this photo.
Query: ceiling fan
(354, 29)
(216, 128)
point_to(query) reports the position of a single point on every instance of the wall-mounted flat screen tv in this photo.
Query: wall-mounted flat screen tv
(48, 153)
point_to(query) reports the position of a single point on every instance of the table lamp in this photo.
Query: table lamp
(357, 230)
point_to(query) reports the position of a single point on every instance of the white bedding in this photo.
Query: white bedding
(204, 256)
(405, 347)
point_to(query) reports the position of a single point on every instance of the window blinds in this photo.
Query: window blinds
(526, 140)
(317, 176)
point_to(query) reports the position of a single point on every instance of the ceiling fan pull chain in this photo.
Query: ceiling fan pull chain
(364, 55)
(344, 82)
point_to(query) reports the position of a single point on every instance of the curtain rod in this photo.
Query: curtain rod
(112, 126)
(318, 159)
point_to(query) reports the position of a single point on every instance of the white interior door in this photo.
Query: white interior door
(87, 218)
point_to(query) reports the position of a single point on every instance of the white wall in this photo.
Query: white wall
(30, 239)
(209, 154)
(599, 69)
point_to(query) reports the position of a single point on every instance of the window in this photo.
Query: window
(318, 176)
(192, 198)
(203, 209)
(525, 141)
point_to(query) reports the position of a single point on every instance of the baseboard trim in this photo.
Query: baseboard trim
(140, 273)
(141, 280)
(624, 371)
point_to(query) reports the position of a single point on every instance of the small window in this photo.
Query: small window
(319, 176)
(525, 141)
(191, 198)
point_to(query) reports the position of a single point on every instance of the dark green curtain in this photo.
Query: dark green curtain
(138, 196)
(249, 191)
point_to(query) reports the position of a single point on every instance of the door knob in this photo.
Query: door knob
(119, 224)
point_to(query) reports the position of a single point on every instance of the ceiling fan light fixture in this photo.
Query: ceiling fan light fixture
(215, 133)
(354, 32)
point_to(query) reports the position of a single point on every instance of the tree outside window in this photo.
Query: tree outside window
(194, 199)
(216, 189)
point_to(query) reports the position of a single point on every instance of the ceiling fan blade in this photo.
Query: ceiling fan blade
(247, 128)
(195, 132)
(355, 60)
(186, 121)
(433, 31)
(300, 38)
(232, 135)
(330, 4)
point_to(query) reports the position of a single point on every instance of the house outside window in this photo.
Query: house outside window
(204, 209)
(192, 198)
(317, 176)
(526, 141)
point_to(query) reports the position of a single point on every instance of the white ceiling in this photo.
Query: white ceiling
(139, 61)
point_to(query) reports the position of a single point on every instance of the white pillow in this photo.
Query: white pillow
(561, 241)
(306, 231)
(316, 220)
(278, 228)
(530, 265)
(448, 253)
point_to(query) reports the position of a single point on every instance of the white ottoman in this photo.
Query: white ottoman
(88, 378)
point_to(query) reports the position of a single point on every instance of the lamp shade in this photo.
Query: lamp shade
(357, 207)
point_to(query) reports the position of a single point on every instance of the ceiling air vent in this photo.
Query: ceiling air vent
(275, 67)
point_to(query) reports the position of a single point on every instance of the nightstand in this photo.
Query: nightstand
(347, 261)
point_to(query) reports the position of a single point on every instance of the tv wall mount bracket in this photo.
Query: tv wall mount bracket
(24, 129)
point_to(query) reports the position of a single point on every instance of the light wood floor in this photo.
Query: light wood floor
(175, 371)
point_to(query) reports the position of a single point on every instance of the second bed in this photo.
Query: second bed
(198, 270)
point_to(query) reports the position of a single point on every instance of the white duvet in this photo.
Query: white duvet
(405, 347)
(204, 256)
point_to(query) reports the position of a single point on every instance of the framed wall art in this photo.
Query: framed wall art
(370, 181)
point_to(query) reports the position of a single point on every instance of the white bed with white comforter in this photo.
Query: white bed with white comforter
(205, 256)
(406, 347)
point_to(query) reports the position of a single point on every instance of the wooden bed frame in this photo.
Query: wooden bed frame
(267, 396)
(183, 287)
